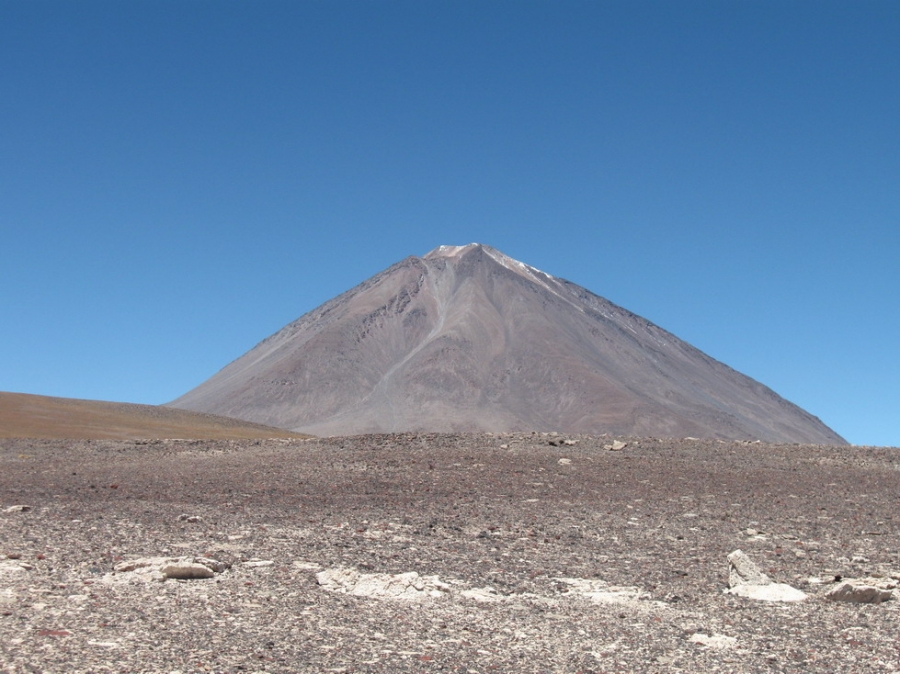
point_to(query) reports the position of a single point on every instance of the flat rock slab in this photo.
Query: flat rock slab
(770, 592)
(408, 585)
(161, 568)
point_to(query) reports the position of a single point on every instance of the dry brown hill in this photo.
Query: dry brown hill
(33, 416)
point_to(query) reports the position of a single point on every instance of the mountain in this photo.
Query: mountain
(30, 416)
(468, 339)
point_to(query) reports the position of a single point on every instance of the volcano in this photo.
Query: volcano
(469, 339)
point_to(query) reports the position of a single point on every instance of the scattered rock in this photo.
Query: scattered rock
(617, 445)
(853, 593)
(189, 518)
(565, 462)
(18, 509)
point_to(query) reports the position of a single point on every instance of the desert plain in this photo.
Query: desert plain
(517, 552)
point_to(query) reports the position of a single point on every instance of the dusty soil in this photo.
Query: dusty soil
(546, 556)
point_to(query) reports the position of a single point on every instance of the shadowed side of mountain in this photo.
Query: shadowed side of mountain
(33, 416)
(466, 338)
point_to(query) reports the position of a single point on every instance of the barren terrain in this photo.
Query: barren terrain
(466, 553)
(32, 416)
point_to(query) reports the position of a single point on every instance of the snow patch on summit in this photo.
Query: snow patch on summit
(520, 268)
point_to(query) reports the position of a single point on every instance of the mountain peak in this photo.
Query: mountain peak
(453, 251)
(457, 252)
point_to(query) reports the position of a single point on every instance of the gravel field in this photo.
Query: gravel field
(458, 553)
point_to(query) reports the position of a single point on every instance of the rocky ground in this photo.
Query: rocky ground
(419, 553)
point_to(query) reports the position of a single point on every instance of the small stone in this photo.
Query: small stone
(858, 594)
(18, 509)
(213, 564)
(258, 563)
(14, 567)
(564, 462)
(189, 518)
(617, 445)
(184, 570)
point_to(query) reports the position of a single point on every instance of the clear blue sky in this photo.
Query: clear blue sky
(178, 180)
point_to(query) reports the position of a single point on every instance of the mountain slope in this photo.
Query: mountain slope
(31, 416)
(466, 338)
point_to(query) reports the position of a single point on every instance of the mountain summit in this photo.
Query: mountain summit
(469, 339)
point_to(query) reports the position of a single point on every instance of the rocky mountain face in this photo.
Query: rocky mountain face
(468, 339)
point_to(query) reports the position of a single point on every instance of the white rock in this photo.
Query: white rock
(307, 566)
(11, 566)
(770, 592)
(259, 563)
(213, 564)
(616, 445)
(746, 580)
(742, 571)
(601, 592)
(18, 509)
(564, 462)
(159, 568)
(482, 594)
(858, 593)
(409, 585)
(713, 640)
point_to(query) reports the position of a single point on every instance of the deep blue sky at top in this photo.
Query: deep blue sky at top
(178, 180)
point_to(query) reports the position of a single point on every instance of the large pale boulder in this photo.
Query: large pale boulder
(745, 579)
